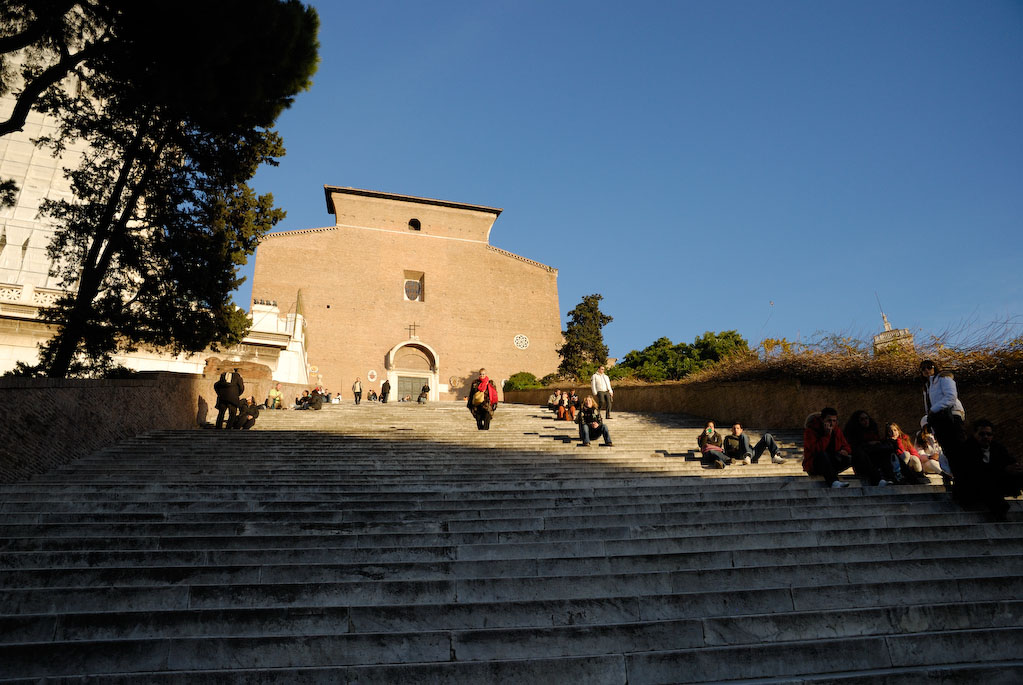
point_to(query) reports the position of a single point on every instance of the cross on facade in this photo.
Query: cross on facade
(411, 330)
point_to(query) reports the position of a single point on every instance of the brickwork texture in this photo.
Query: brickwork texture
(476, 299)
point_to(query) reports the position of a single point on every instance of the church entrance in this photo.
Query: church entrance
(411, 386)
(410, 366)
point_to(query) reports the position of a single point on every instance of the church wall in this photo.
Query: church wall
(475, 301)
(387, 215)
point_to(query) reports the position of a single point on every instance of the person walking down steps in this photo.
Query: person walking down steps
(482, 400)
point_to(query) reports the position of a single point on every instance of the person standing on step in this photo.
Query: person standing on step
(590, 424)
(229, 391)
(482, 400)
(600, 384)
(737, 446)
(357, 390)
(385, 390)
(826, 452)
(945, 413)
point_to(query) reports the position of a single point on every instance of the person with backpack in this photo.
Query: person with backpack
(482, 400)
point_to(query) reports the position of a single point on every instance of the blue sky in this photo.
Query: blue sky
(693, 162)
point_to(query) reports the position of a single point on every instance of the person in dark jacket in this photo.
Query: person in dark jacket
(590, 424)
(873, 458)
(987, 473)
(229, 391)
(248, 414)
(385, 390)
(482, 400)
(711, 448)
(316, 400)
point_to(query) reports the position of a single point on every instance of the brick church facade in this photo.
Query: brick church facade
(410, 290)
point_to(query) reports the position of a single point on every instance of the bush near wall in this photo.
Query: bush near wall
(785, 404)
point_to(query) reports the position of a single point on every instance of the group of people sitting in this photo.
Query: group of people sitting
(879, 457)
(718, 452)
(564, 404)
(974, 466)
(586, 413)
(309, 399)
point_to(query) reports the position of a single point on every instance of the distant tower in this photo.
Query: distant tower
(891, 339)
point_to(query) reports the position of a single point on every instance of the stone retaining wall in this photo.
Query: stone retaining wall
(786, 404)
(49, 422)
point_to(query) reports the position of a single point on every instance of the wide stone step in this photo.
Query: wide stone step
(774, 602)
(443, 657)
(233, 595)
(397, 544)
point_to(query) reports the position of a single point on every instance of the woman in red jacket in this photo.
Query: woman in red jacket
(482, 400)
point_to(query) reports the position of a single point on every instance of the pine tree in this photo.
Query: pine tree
(584, 341)
(177, 115)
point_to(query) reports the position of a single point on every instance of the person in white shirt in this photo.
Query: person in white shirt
(600, 384)
(945, 413)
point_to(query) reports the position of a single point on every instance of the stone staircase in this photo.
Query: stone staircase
(397, 544)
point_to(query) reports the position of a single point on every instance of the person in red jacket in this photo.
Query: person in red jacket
(826, 452)
(482, 400)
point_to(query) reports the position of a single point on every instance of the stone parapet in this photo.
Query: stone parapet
(786, 404)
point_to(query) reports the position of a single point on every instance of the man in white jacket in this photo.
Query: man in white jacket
(600, 384)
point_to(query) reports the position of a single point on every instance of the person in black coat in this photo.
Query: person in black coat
(229, 391)
(385, 390)
(316, 400)
(987, 473)
(248, 414)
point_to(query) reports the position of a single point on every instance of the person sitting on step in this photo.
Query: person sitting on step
(826, 452)
(909, 459)
(931, 457)
(873, 458)
(711, 449)
(275, 398)
(315, 400)
(303, 401)
(737, 446)
(987, 473)
(248, 414)
(572, 405)
(590, 423)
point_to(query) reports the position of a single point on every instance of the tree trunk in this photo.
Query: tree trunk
(105, 244)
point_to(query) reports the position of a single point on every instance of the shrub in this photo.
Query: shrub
(523, 380)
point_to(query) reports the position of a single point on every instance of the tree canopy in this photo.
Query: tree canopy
(584, 341)
(664, 360)
(176, 110)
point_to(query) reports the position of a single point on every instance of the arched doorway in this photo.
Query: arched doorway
(411, 365)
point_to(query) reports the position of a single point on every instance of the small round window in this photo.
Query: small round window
(521, 342)
(414, 225)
